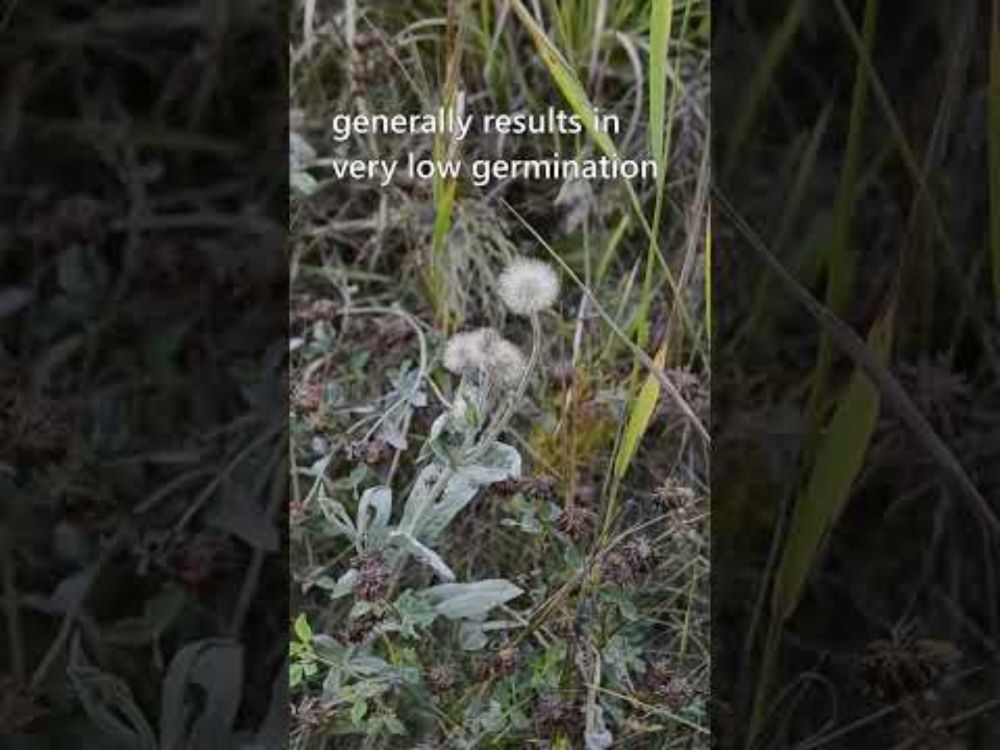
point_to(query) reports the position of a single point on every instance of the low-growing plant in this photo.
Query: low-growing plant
(461, 456)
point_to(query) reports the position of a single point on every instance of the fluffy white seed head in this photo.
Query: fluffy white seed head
(468, 350)
(487, 351)
(528, 286)
(506, 363)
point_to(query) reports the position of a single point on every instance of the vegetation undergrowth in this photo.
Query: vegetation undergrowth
(499, 520)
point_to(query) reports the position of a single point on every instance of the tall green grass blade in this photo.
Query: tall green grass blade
(796, 195)
(913, 169)
(445, 188)
(841, 259)
(565, 79)
(640, 416)
(708, 280)
(863, 357)
(661, 17)
(614, 243)
(840, 457)
(573, 91)
(763, 78)
(667, 385)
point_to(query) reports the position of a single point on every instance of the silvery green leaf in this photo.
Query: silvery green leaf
(201, 695)
(368, 666)
(329, 649)
(436, 444)
(463, 601)
(420, 499)
(303, 182)
(344, 584)
(475, 403)
(438, 427)
(458, 493)
(68, 594)
(108, 702)
(471, 636)
(338, 517)
(360, 608)
(393, 431)
(332, 684)
(273, 732)
(300, 152)
(497, 463)
(598, 740)
(492, 719)
(425, 555)
(158, 614)
(379, 499)
(413, 612)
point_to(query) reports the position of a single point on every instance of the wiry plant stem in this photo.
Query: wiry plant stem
(507, 408)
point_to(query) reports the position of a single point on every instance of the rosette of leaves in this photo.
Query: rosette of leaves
(457, 461)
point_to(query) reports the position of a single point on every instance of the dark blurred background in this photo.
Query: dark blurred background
(143, 388)
(856, 399)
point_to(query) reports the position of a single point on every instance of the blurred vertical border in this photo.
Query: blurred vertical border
(856, 378)
(143, 376)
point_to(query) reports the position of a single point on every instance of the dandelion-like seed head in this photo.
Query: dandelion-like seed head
(506, 362)
(468, 350)
(528, 286)
(484, 349)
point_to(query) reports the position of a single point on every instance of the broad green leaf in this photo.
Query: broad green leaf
(303, 631)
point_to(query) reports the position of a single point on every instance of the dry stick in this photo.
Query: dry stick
(855, 347)
(644, 358)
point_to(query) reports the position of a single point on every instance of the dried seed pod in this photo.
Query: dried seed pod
(441, 678)
(640, 554)
(555, 713)
(575, 522)
(359, 629)
(373, 578)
